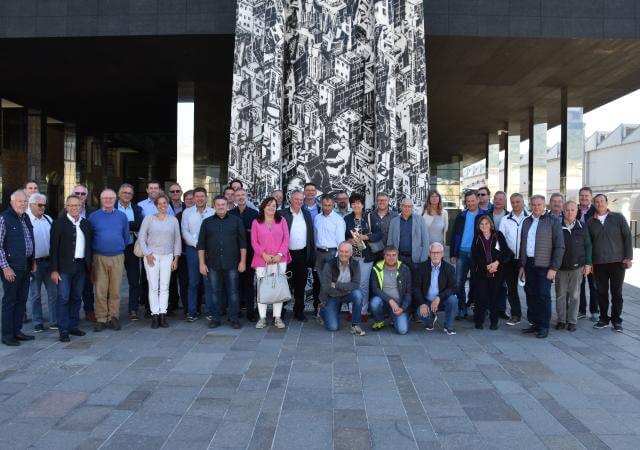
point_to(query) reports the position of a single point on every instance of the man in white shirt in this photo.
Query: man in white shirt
(301, 248)
(329, 231)
(511, 228)
(42, 275)
(191, 220)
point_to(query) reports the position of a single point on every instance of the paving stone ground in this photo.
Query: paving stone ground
(188, 387)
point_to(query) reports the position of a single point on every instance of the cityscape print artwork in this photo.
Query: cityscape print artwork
(333, 92)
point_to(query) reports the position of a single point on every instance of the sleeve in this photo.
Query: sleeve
(391, 239)
(143, 235)
(375, 234)
(353, 284)
(202, 236)
(255, 241)
(125, 229)
(445, 219)
(374, 287)
(454, 238)
(588, 247)
(505, 254)
(557, 245)
(177, 239)
(424, 253)
(450, 287)
(54, 247)
(284, 245)
(3, 233)
(417, 283)
(325, 280)
(626, 238)
(187, 234)
(405, 302)
(341, 232)
(242, 234)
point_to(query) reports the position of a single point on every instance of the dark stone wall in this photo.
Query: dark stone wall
(516, 18)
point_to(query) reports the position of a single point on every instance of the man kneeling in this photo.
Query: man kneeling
(390, 287)
(340, 283)
(435, 289)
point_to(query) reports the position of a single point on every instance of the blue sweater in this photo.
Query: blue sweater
(110, 232)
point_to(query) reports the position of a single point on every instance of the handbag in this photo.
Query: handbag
(273, 287)
(137, 248)
(377, 246)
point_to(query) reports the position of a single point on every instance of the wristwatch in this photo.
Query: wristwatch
(280, 254)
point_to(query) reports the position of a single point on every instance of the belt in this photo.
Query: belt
(78, 259)
(43, 259)
(304, 249)
(405, 253)
(326, 250)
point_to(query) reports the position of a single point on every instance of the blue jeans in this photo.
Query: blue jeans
(230, 279)
(538, 291)
(14, 303)
(40, 276)
(195, 278)
(331, 309)
(378, 309)
(70, 290)
(448, 305)
(463, 265)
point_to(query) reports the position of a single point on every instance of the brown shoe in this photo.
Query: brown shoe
(114, 324)
(90, 316)
(133, 316)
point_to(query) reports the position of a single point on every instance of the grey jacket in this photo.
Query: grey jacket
(419, 237)
(611, 241)
(549, 242)
(329, 274)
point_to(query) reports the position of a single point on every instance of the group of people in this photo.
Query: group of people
(379, 262)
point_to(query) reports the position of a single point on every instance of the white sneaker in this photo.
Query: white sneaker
(262, 323)
(357, 331)
(279, 323)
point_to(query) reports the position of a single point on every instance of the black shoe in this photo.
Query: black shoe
(154, 321)
(24, 337)
(531, 329)
(38, 329)
(10, 342)
(147, 313)
(600, 325)
(571, 327)
(100, 326)
(560, 326)
(300, 317)
(581, 315)
(191, 319)
(163, 321)
(252, 317)
(64, 338)
(504, 316)
(449, 331)
(494, 326)
(53, 326)
(171, 312)
(114, 324)
(617, 327)
(214, 323)
(235, 325)
(515, 320)
(543, 333)
(479, 326)
(76, 332)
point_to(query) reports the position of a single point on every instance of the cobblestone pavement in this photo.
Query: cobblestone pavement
(188, 387)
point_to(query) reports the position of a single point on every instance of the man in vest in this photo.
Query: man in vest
(17, 262)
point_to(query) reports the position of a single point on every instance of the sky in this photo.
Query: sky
(605, 118)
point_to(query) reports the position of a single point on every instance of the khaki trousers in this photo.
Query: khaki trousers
(107, 273)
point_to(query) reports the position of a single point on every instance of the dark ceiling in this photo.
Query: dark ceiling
(126, 84)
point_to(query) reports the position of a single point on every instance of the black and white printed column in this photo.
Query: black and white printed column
(333, 92)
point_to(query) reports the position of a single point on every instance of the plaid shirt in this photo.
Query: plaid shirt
(28, 242)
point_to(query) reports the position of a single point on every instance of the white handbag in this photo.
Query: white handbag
(273, 287)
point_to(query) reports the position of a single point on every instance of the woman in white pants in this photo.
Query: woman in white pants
(161, 244)
(270, 242)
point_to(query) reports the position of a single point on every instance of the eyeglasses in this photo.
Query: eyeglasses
(79, 193)
(41, 205)
(175, 191)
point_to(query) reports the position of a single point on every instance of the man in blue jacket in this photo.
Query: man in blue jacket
(460, 251)
(110, 238)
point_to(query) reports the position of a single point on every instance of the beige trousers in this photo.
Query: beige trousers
(107, 273)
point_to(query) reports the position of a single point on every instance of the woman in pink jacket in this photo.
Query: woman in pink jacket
(270, 242)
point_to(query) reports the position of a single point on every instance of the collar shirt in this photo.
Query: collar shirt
(41, 234)
(149, 208)
(329, 230)
(298, 232)
(434, 290)
(191, 222)
(80, 238)
(531, 237)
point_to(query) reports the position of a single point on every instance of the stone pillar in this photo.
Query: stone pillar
(512, 159)
(186, 133)
(70, 152)
(493, 162)
(537, 179)
(571, 147)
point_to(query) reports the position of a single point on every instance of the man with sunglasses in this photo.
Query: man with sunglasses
(484, 199)
(88, 299)
(175, 195)
(41, 237)
(131, 261)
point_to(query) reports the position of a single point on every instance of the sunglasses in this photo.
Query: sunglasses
(41, 205)
(175, 191)
(79, 193)
(482, 195)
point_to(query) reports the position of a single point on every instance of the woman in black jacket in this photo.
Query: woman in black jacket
(489, 253)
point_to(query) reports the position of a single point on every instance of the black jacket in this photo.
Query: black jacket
(500, 251)
(311, 247)
(374, 233)
(611, 241)
(137, 219)
(63, 244)
(329, 274)
(405, 288)
(446, 281)
(577, 246)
